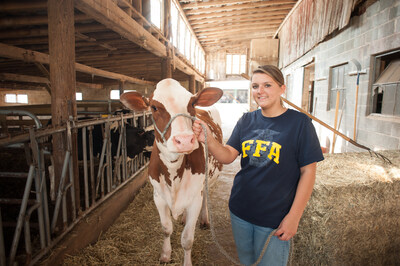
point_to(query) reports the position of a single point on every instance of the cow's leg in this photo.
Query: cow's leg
(204, 221)
(192, 214)
(166, 223)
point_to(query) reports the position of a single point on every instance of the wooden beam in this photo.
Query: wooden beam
(257, 11)
(192, 84)
(33, 20)
(23, 78)
(251, 6)
(46, 74)
(237, 27)
(166, 68)
(61, 60)
(93, 40)
(209, 24)
(32, 56)
(89, 85)
(110, 15)
(22, 6)
(228, 2)
(234, 33)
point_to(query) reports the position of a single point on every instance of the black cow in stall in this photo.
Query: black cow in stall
(137, 140)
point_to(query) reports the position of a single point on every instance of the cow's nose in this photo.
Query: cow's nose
(184, 142)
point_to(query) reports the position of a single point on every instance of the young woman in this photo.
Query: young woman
(279, 152)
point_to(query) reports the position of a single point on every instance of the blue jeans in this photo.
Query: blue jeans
(250, 240)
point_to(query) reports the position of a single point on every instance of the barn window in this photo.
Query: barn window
(187, 43)
(184, 39)
(288, 83)
(337, 86)
(386, 86)
(192, 51)
(235, 64)
(16, 98)
(174, 25)
(114, 94)
(181, 36)
(78, 96)
(155, 12)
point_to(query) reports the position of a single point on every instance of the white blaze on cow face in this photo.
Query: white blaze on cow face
(175, 100)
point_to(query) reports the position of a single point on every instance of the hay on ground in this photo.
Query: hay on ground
(352, 219)
(353, 215)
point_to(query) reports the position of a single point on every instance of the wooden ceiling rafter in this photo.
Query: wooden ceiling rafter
(238, 27)
(221, 24)
(203, 4)
(246, 6)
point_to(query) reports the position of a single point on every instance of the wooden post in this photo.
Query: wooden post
(336, 116)
(62, 79)
(167, 19)
(192, 84)
(166, 68)
(166, 63)
(121, 87)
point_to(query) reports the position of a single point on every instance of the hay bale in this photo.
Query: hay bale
(353, 216)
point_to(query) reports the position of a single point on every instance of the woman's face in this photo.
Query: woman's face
(266, 92)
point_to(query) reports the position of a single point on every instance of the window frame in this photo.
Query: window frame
(381, 62)
(230, 64)
(19, 98)
(343, 83)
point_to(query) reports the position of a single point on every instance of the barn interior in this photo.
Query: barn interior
(63, 66)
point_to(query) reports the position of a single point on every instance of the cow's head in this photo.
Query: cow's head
(169, 99)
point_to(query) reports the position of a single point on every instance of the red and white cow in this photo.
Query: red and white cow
(177, 163)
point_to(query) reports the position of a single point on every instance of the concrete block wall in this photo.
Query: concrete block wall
(375, 32)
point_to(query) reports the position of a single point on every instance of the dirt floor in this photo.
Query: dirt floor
(136, 237)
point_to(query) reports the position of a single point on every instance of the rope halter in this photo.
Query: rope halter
(169, 124)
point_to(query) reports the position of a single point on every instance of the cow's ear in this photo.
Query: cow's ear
(207, 96)
(134, 101)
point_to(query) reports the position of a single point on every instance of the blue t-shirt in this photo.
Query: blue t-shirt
(272, 152)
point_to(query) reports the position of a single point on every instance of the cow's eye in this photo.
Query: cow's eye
(154, 108)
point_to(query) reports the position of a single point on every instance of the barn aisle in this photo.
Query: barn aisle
(136, 237)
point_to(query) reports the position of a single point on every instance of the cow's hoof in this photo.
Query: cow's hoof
(204, 226)
(165, 259)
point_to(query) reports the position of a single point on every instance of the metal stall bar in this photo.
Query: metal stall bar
(22, 112)
(71, 172)
(38, 178)
(27, 231)
(2, 247)
(44, 201)
(60, 190)
(21, 215)
(85, 168)
(108, 158)
(91, 161)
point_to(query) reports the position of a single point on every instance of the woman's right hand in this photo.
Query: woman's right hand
(198, 130)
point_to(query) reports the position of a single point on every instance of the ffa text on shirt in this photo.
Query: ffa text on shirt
(261, 148)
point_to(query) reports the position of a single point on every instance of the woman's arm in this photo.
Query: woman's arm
(223, 153)
(288, 227)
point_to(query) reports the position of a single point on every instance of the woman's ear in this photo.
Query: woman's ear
(283, 89)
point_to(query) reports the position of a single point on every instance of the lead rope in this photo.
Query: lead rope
(221, 249)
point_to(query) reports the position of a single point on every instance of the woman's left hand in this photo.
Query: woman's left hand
(288, 228)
